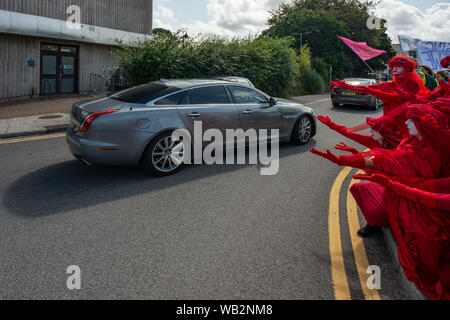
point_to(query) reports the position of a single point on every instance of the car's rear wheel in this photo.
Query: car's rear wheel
(335, 105)
(303, 130)
(164, 155)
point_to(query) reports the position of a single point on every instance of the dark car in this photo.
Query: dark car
(345, 96)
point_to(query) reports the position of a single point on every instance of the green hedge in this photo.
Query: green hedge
(270, 63)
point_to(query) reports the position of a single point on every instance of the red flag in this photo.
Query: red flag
(362, 49)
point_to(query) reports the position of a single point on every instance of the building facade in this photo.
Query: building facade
(54, 47)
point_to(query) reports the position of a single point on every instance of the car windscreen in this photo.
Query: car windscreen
(144, 93)
(360, 82)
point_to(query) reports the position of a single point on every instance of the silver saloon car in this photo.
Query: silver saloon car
(135, 126)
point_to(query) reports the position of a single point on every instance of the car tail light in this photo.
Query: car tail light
(333, 90)
(91, 117)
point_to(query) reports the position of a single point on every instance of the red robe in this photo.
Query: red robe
(420, 221)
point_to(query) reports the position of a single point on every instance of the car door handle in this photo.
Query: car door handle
(194, 115)
(248, 112)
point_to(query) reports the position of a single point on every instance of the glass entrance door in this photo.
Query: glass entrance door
(59, 69)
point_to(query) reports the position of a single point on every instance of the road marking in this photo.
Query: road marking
(338, 274)
(32, 138)
(359, 251)
(317, 101)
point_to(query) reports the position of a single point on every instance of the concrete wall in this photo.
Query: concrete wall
(19, 80)
(128, 15)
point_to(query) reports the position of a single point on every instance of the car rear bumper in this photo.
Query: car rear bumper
(353, 100)
(95, 152)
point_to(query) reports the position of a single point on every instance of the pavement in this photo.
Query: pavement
(39, 116)
(208, 232)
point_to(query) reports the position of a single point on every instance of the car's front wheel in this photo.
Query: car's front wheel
(303, 130)
(164, 155)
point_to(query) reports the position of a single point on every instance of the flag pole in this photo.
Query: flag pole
(373, 71)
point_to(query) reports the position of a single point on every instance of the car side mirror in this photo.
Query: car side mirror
(273, 102)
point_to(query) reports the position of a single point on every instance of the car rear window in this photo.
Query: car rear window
(144, 93)
(358, 82)
(172, 99)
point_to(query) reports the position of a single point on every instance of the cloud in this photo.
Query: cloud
(242, 17)
(163, 17)
(431, 24)
(234, 17)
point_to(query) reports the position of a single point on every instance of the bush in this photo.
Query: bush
(312, 82)
(270, 63)
(304, 60)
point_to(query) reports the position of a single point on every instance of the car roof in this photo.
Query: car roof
(188, 83)
(358, 79)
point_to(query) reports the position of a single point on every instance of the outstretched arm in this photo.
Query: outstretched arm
(353, 160)
(362, 139)
(439, 201)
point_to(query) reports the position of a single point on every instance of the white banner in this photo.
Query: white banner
(408, 43)
(429, 53)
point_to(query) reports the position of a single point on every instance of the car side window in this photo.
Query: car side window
(207, 95)
(173, 99)
(247, 95)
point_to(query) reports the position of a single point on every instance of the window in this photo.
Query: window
(144, 93)
(68, 49)
(173, 99)
(208, 95)
(358, 82)
(246, 95)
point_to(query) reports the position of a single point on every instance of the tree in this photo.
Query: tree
(352, 16)
(323, 41)
(158, 31)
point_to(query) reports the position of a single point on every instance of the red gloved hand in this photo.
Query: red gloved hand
(328, 155)
(378, 178)
(342, 146)
(344, 85)
(324, 119)
(354, 160)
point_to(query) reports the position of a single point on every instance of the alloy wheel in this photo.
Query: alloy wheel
(305, 129)
(168, 154)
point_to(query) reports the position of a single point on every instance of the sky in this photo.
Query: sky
(422, 19)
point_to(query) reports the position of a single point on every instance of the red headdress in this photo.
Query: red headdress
(403, 61)
(445, 62)
(411, 81)
(387, 127)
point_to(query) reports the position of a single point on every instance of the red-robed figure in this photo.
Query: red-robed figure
(417, 217)
(396, 94)
(423, 155)
(383, 133)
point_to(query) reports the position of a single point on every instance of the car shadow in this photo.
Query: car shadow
(70, 185)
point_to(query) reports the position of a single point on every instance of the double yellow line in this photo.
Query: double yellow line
(32, 138)
(338, 272)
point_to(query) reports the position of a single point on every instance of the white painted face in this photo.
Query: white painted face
(397, 70)
(412, 128)
(377, 136)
